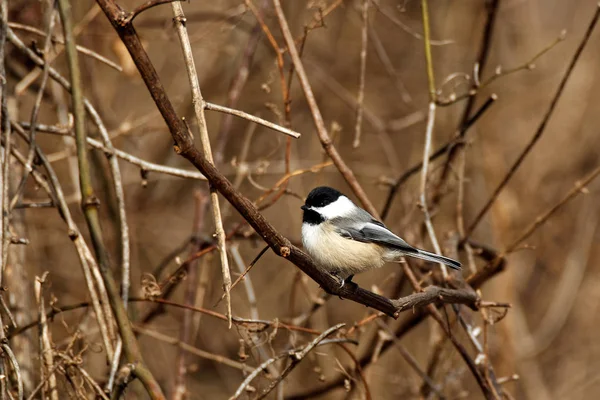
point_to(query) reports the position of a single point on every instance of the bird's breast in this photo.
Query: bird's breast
(338, 254)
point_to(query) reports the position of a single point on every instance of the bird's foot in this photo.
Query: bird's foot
(344, 281)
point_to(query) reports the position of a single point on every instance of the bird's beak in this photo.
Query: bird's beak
(304, 207)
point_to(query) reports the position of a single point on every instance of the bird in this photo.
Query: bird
(344, 239)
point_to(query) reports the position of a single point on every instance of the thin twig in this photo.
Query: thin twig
(199, 105)
(50, 17)
(408, 30)
(81, 49)
(455, 141)
(5, 133)
(579, 187)
(31, 77)
(429, 136)
(16, 369)
(363, 70)
(144, 165)
(235, 89)
(427, 380)
(185, 329)
(46, 352)
(258, 325)
(143, 7)
(193, 350)
(432, 310)
(251, 118)
(387, 64)
(295, 355)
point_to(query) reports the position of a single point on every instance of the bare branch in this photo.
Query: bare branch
(251, 118)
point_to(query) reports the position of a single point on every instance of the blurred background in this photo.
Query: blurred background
(548, 338)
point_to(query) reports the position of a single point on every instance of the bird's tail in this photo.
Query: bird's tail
(427, 256)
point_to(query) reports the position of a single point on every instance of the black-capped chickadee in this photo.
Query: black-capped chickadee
(344, 239)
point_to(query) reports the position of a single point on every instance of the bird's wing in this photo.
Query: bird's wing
(371, 232)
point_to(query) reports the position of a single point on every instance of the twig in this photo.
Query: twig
(239, 262)
(143, 7)
(258, 325)
(252, 118)
(295, 355)
(28, 80)
(487, 390)
(89, 206)
(193, 350)
(541, 128)
(199, 104)
(482, 58)
(541, 219)
(429, 136)
(560, 306)
(455, 141)
(81, 49)
(387, 64)
(185, 329)
(236, 87)
(16, 369)
(427, 380)
(252, 264)
(5, 133)
(423, 190)
(46, 352)
(326, 141)
(50, 17)
(363, 70)
(406, 29)
(144, 165)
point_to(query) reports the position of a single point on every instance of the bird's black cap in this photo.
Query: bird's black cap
(322, 196)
